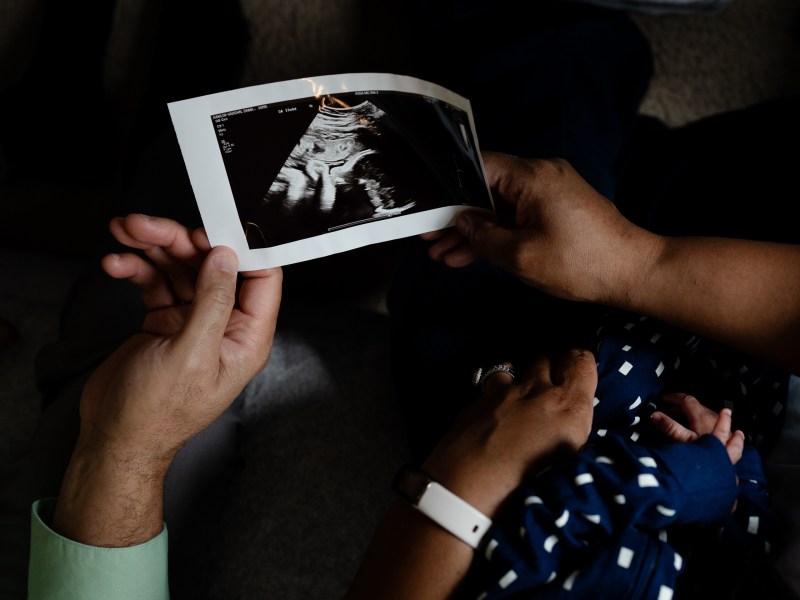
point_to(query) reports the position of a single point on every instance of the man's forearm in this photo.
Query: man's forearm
(109, 498)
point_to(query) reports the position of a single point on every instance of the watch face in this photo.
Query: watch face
(410, 484)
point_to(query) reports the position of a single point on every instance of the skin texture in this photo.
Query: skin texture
(563, 237)
(201, 342)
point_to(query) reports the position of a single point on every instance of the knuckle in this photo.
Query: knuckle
(548, 167)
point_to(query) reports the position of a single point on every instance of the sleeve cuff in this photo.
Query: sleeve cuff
(702, 469)
(61, 568)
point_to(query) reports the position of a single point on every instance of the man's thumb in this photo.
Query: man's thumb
(214, 298)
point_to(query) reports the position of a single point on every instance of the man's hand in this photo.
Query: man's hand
(199, 346)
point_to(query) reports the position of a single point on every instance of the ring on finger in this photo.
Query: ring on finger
(480, 375)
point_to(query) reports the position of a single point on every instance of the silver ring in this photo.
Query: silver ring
(480, 375)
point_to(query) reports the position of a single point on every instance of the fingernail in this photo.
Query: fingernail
(148, 217)
(224, 262)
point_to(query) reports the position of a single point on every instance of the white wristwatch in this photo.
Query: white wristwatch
(442, 506)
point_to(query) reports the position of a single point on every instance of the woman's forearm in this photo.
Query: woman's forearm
(410, 557)
(745, 294)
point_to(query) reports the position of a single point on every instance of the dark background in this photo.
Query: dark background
(75, 148)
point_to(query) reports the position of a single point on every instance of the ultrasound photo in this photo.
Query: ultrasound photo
(338, 169)
(334, 173)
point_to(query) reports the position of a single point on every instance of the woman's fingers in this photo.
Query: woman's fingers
(497, 378)
(211, 311)
(452, 249)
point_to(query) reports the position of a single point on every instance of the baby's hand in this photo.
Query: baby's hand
(701, 421)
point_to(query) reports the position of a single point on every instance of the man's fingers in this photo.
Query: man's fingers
(200, 239)
(152, 282)
(144, 232)
(181, 275)
(260, 299)
(213, 301)
(167, 243)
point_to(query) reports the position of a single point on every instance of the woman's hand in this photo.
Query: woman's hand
(516, 428)
(512, 430)
(561, 235)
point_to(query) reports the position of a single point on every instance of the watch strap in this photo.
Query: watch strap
(442, 506)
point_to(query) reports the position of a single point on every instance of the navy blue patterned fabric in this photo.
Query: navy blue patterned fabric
(632, 509)
(640, 359)
(603, 516)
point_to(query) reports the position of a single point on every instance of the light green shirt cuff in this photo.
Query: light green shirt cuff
(61, 568)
